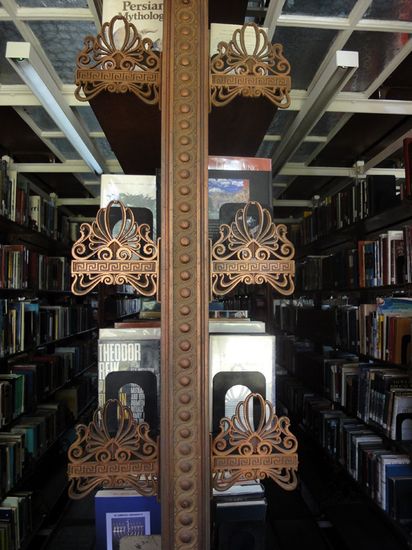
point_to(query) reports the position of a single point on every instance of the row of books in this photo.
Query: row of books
(16, 519)
(29, 383)
(119, 307)
(384, 261)
(22, 268)
(381, 330)
(376, 393)
(27, 324)
(384, 474)
(361, 199)
(36, 212)
(34, 433)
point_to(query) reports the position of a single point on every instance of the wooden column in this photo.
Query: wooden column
(185, 463)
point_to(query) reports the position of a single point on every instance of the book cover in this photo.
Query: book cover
(136, 192)
(146, 16)
(236, 354)
(125, 524)
(129, 370)
(117, 511)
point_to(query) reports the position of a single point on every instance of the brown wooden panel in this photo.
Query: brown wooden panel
(133, 130)
(185, 458)
(19, 141)
(238, 128)
(227, 11)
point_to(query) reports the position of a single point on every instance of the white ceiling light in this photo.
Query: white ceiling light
(31, 70)
(330, 82)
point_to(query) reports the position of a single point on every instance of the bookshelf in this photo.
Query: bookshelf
(346, 358)
(47, 363)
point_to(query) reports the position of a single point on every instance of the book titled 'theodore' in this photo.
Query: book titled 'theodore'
(129, 370)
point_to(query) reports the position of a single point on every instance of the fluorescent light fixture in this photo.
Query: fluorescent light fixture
(32, 71)
(336, 74)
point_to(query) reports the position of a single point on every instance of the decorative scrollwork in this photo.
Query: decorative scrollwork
(115, 254)
(264, 72)
(252, 254)
(118, 60)
(97, 459)
(242, 452)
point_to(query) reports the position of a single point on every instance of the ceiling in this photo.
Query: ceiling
(365, 121)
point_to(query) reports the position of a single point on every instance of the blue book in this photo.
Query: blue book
(392, 470)
(120, 513)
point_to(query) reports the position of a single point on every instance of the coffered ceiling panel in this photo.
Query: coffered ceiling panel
(386, 9)
(62, 41)
(335, 8)
(376, 51)
(8, 32)
(304, 48)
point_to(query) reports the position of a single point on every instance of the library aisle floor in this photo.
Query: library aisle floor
(327, 512)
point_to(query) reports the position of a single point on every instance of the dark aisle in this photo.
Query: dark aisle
(326, 512)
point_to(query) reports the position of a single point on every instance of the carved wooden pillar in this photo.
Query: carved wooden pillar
(185, 467)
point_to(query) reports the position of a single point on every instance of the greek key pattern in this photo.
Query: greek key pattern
(252, 253)
(99, 459)
(115, 253)
(118, 60)
(235, 71)
(242, 451)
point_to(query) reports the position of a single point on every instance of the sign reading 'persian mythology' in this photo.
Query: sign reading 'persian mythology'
(146, 16)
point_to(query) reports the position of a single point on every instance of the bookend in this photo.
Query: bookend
(115, 254)
(234, 71)
(105, 459)
(118, 60)
(242, 451)
(252, 250)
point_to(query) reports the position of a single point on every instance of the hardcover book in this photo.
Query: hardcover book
(233, 181)
(236, 354)
(137, 192)
(129, 370)
(123, 513)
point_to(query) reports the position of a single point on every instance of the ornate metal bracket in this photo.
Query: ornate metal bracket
(118, 60)
(263, 73)
(252, 254)
(97, 459)
(241, 452)
(115, 256)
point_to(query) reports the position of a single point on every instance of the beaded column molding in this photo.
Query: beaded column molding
(242, 451)
(252, 250)
(185, 457)
(115, 253)
(261, 72)
(118, 60)
(99, 459)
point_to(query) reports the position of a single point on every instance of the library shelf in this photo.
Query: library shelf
(50, 343)
(389, 219)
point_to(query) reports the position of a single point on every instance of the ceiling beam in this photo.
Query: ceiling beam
(388, 151)
(75, 166)
(272, 16)
(76, 201)
(300, 169)
(55, 14)
(335, 76)
(296, 203)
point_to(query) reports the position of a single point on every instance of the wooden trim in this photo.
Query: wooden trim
(185, 455)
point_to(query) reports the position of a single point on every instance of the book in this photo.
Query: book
(119, 512)
(129, 370)
(233, 181)
(234, 356)
(136, 192)
(146, 16)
